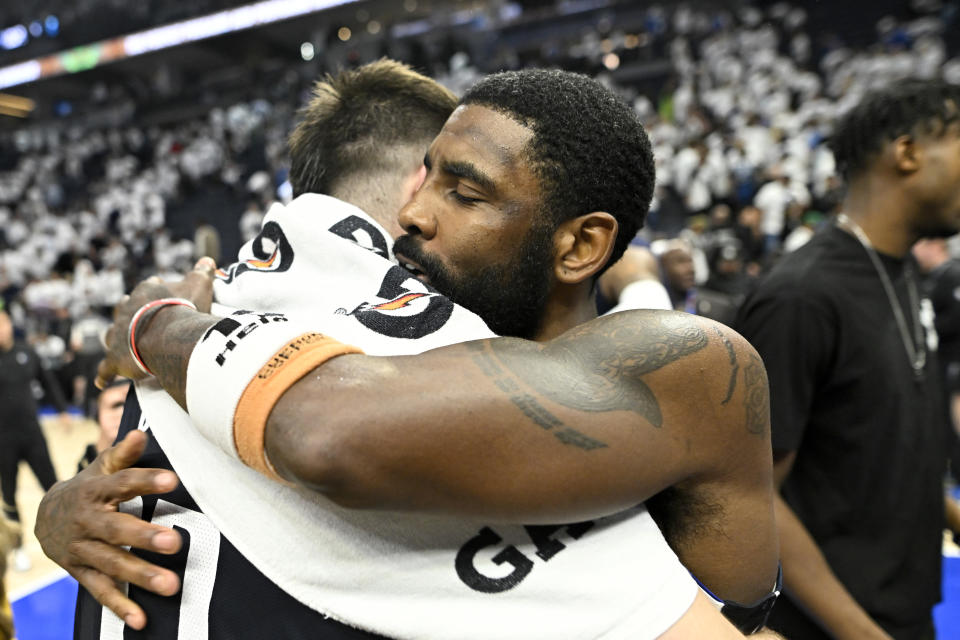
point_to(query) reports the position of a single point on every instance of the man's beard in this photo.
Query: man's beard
(510, 297)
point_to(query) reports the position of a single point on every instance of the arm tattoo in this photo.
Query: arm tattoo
(733, 363)
(598, 367)
(758, 396)
(527, 404)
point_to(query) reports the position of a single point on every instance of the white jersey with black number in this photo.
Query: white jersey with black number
(396, 574)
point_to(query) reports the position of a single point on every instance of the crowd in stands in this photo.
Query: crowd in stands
(739, 131)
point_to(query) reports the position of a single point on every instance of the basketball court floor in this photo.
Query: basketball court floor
(43, 597)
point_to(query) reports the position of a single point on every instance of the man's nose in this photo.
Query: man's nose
(416, 217)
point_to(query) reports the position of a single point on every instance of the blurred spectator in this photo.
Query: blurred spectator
(749, 232)
(677, 273)
(206, 241)
(727, 274)
(942, 287)
(633, 283)
(7, 542)
(251, 220)
(802, 234)
(774, 199)
(86, 346)
(679, 278)
(20, 434)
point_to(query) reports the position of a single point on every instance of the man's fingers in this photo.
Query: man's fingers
(126, 484)
(105, 373)
(105, 591)
(122, 529)
(122, 566)
(125, 453)
(200, 283)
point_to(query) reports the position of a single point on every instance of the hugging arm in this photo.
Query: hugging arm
(591, 422)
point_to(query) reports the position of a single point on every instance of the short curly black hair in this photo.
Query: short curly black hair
(905, 107)
(589, 149)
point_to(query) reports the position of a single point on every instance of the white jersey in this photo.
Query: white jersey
(397, 574)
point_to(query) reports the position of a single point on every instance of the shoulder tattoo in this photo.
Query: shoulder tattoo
(597, 367)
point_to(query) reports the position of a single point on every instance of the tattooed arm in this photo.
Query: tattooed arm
(618, 410)
(603, 417)
(591, 422)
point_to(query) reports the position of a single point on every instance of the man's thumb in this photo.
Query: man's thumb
(125, 453)
(206, 266)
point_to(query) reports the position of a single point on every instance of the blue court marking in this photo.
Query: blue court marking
(46, 613)
(946, 615)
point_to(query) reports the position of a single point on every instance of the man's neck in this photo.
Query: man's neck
(883, 215)
(566, 312)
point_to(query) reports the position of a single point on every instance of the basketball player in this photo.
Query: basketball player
(674, 337)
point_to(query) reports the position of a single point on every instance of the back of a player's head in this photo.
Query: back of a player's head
(909, 107)
(364, 122)
(589, 149)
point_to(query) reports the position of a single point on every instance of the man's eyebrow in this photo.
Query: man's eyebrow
(469, 172)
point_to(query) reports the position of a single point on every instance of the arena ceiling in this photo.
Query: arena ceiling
(217, 60)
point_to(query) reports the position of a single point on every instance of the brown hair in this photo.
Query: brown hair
(357, 119)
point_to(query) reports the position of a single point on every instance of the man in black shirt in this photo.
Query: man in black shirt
(858, 436)
(20, 434)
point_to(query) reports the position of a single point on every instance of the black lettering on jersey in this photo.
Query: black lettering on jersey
(348, 227)
(468, 573)
(393, 318)
(542, 538)
(272, 253)
(234, 330)
(548, 547)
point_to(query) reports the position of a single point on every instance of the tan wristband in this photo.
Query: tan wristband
(294, 360)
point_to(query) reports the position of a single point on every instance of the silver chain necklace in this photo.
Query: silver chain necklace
(916, 347)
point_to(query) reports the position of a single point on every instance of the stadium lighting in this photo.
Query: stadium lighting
(20, 73)
(52, 25)
(171, 35)
(13, 37)
(15, 106)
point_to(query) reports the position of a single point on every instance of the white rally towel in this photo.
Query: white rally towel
(405, 575)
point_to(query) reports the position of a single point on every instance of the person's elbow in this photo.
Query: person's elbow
(324, 459)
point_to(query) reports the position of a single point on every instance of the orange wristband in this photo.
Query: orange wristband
(294, 360)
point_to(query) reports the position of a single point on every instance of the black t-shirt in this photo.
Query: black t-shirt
(869, 437)
(20, 369)
(243, 602)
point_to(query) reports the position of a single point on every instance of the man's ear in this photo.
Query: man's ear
(413, 183)
(907, 154)
(583, 246)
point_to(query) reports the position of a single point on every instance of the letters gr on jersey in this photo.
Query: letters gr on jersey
(362, 232)
(271, 250)
(543, 538)
(401, 312)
